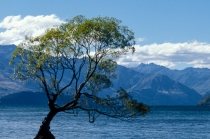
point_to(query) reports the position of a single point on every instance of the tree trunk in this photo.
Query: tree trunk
(44, 131)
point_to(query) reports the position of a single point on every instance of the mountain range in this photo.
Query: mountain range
(155, 89)
(195, 78)
(149, 83)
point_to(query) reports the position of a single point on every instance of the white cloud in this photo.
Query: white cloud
(170, 55)
(140, 39)
(15, 28)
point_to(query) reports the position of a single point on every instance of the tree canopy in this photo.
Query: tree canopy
(76, 61)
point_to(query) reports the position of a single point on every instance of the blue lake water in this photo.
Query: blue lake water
(161, 123)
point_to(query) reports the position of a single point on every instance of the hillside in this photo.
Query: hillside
(204, 101)
(24, 98)
(7, 85)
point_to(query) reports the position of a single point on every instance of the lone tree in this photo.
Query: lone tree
(73, 63)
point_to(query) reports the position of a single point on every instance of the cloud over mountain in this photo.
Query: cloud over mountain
(194, 53)
(15, 28)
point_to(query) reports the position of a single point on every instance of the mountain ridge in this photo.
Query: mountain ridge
(155, 89)
(195, 78)
(152, 89)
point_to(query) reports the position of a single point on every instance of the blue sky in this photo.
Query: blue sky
(171, 33)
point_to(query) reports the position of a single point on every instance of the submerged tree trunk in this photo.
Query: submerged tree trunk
(44, 131)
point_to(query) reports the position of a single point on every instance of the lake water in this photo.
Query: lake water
(161, 123)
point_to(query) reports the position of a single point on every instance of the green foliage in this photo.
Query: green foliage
(79, 56)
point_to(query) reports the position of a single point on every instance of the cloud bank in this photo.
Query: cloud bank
(15, 28)
(171, 55)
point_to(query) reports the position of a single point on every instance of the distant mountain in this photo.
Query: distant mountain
(143, 83)
(155, 89)
(7, 85)
(161, 90)
(196, 78)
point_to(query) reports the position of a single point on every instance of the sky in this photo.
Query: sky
(171, 33)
